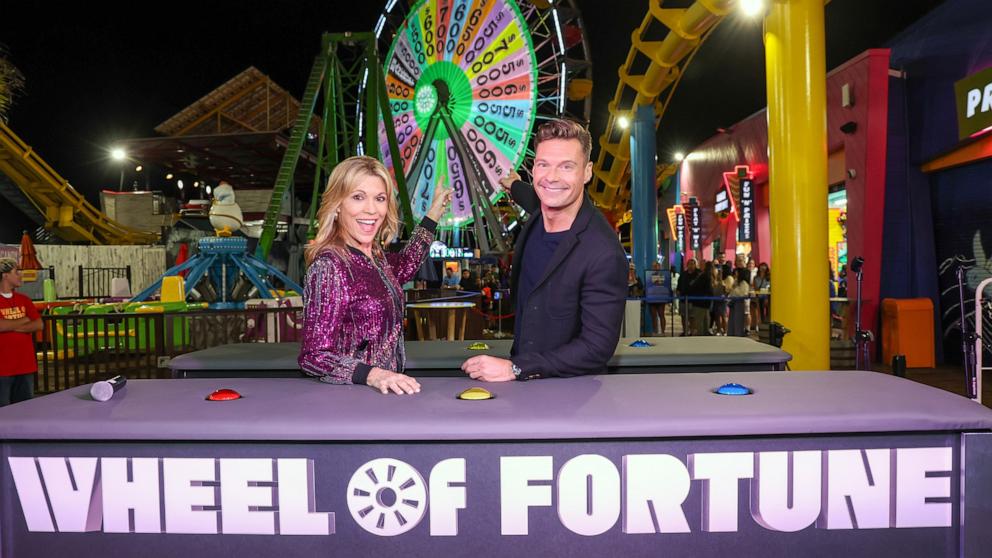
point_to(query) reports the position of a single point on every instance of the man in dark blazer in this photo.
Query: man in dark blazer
(569, 276)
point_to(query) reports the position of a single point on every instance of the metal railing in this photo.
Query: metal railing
(94, 282)
(82, 348)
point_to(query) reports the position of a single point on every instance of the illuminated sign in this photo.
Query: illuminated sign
(441, 251)
(745, 226)
(695, 225)
(722, 203)
(676, 222)
(974, 100)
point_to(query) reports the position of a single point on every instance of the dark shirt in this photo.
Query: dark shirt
(540, 248)
(469, 284)
(685, 281)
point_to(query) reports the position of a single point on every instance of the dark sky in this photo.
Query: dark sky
(103, 71)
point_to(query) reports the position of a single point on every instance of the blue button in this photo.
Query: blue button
(733, 389)
(641, 343)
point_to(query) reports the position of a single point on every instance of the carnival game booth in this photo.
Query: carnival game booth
(814, 464)
(444, 358)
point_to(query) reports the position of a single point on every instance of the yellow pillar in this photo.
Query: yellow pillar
(797, 170)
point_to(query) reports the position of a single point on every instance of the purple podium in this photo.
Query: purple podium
(810, 464)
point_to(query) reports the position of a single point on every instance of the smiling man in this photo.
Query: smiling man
(569, 276)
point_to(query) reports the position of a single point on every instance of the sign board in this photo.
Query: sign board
(695, 225)
(745, 226)
(974, 100)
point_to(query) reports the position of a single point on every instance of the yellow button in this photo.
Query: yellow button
(475, 394)
(478, 347)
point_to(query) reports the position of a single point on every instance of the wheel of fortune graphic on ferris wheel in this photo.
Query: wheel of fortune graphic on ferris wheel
(465, 87)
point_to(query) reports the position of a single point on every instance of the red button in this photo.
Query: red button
(224, 395)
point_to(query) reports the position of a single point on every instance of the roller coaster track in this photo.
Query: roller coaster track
(58, 206)
(663, 63)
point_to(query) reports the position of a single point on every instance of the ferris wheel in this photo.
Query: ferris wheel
(466, 81)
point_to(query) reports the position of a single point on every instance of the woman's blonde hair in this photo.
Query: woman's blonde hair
(344, 178)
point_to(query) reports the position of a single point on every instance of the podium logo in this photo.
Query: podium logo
(784, 491)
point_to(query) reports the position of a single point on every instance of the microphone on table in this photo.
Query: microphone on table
(103, 391)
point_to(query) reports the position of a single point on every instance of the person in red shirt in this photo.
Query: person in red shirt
(18, 321)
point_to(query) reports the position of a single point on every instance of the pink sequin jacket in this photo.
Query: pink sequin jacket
(353, 310)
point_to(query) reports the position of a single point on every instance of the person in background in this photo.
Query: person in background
(721, 262)
(656, 310)
(684, 288)
(635, 287)
(761, 287)
(468, 282)
(724, 282)
(702, 288)
(739, 263)
(451, 281)
(18, 321)
(739, 304)
(353, 296)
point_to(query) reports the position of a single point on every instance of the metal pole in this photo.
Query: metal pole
(968, 339)
(861, 354)
(797, 169)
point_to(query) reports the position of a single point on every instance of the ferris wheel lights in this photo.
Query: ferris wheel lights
(561, 44)
(623, 122)
(679, 156)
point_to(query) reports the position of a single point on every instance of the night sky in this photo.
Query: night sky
(100, 72)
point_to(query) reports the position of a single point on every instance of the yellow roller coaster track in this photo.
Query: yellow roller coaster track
(66, 212)
(687, 29)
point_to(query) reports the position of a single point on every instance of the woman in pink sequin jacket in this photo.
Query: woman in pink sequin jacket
(353, 297)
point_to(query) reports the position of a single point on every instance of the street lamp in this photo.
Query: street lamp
(752, 8)
(118, 154)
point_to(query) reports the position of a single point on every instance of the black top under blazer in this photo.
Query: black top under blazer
(570, 323)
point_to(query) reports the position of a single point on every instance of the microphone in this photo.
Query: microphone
(103, 391)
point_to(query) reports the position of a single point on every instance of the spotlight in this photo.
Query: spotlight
(752, 8)
(623, 122)
(138, 168)
(118, 154)
(679, 156)
(168, 176)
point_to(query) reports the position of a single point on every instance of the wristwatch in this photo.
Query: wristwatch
(517, 371)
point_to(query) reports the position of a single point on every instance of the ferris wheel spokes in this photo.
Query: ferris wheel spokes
(489, 228)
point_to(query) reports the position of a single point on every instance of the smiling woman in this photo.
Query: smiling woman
(353, 298)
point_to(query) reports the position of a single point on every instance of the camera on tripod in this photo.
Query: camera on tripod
(776, 333)
(862, 337)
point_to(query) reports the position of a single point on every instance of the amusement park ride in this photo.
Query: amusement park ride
(457, 95)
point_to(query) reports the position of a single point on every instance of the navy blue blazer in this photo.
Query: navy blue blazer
(570, 323)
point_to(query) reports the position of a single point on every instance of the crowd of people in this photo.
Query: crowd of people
(723, 298)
